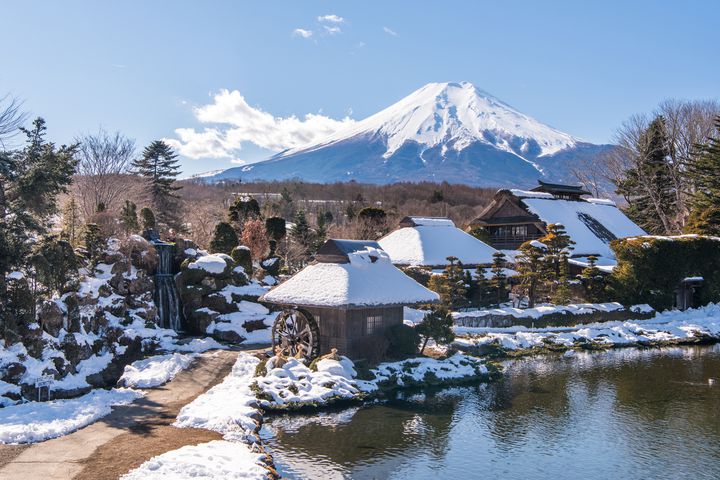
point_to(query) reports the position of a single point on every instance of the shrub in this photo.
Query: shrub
(650, 269)
(55, 263)
(437, 324)
(147, 218)
(276, 228)
(224, 239)
(403, 340)
(243, 257)
(421, 275)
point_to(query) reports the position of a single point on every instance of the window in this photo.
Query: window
(373, 324)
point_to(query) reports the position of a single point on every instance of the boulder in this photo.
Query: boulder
(230, 336)
(51, 317)
(219, 303)
(72, 305)
(13, 372)
(200, 319)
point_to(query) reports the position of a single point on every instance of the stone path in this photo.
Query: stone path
(127, 437)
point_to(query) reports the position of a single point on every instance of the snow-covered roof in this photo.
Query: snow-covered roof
(429, 244)
(427, 222)
(368, 279)
(591, 225)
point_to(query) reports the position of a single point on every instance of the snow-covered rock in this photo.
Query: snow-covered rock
(155, 371)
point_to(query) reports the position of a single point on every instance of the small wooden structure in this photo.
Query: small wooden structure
(688, 292)
(351, 293)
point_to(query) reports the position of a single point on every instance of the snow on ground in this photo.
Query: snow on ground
(666, 327)
(218, 459)
(417, 370)
(155, 371)
(228, 407)
(37, 421)
(294, 382)
(542, 310)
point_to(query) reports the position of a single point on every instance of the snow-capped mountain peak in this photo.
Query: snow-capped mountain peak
(456, 115)
(450, 132)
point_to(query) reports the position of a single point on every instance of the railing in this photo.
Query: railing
(511, 242)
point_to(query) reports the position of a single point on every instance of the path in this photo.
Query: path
(127, 437)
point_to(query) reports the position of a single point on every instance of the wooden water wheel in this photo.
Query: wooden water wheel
(296, 330)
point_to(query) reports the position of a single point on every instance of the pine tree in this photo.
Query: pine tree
(450, 284)
(71, 222)
(437, 325)
(481, 294)
(320, 231)
(530, 265)
(647, 185)
(243, 209)
(160, 167)
(704, 174)
(302, 240)
(557, 247)
(276, 228)
(499, 280)
(593, 281)
(93, 242)
(129, 218)
(224, 239)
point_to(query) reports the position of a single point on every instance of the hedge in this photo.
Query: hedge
(650, 268)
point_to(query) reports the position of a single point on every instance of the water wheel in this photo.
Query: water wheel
(296, 330)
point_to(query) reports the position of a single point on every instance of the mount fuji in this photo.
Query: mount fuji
(450, 132)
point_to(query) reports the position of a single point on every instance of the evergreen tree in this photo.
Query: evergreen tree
(243, 209)
(499, 280)
(481, 288)
(30, 181)
(276, 228)
(647, 185)
(593, 281)
(561, 291)
(224, 239)
(704, 174)
(557, 246)
(54, 264)
(302, 238)
(129, 218)
(147, 217)
(93, 242)
(71, 222)
(160, 167)
(450, 285)
(320, 231)
(530, 265)
(437, 325)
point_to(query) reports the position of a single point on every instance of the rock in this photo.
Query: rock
(201, 319)
(141, 284)
(252, 325)
(217, 302)
(13, 372)
(72, 304)
(75, 352)
(230, 336)
(51, 317)
(112, 373)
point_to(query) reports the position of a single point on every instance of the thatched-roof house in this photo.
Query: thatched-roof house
(351, 292)
(516, 216)
(429, 241)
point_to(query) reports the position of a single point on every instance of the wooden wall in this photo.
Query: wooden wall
(342, 328)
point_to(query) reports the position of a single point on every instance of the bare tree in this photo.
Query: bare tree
(102, 171)
(687, 123)
(11, 118)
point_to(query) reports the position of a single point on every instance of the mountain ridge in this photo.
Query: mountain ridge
(451, 132)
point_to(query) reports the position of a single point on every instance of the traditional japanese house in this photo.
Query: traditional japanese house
(516, 216)
(429, 241)
(351, 293)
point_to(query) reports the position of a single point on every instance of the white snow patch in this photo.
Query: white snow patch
(219, 459)
(155, 371)
(210, 263)
(37, 421)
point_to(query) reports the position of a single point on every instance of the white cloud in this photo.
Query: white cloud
(332, 18)
(236, 122)
(301, 32)
(332, 30)
(390, 31)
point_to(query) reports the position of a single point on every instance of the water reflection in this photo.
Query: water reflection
(629, 413)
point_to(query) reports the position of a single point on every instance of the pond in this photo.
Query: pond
(620, 414)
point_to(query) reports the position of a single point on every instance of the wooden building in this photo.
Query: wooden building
(516, 216)
(351, 293)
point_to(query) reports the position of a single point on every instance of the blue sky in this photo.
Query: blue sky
(145, 67)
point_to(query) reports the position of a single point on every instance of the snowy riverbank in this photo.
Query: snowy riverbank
(666, 328)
